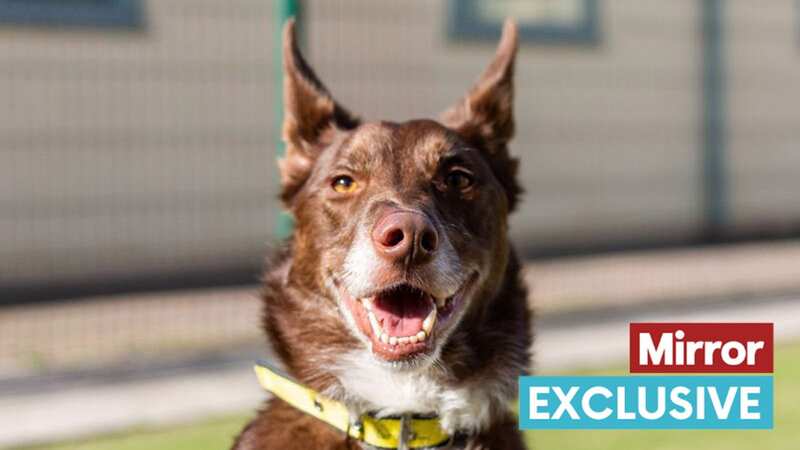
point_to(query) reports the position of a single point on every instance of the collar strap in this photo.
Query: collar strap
(406, 432)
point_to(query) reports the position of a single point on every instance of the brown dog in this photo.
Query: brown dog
(398, 293)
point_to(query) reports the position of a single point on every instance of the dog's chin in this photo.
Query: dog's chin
(404, 325)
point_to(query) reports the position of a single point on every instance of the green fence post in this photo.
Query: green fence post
(715, 182)
(284, 10)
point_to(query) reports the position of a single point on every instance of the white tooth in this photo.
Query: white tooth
(367, 302)
(427, 324)
(402, 340)
(421, 336)
(384, 338)
(392, 340)
(413, 339)
(376, 327)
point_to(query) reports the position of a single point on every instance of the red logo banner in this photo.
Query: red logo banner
(701, 347)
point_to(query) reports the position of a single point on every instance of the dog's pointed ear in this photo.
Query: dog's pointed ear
(310, 116)
(485, 116)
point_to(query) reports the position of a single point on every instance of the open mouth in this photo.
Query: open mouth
(401, 321)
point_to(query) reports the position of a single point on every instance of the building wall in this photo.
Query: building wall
(763, 49)
(138, 152)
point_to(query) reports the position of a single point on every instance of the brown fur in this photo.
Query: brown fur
(398, 165)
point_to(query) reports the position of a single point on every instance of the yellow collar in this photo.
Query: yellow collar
(389, 433)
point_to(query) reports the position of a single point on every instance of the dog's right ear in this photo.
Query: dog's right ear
(311, 116)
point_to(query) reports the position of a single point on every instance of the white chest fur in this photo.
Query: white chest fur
(371, 386)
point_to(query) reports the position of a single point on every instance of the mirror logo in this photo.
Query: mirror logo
(666, 401)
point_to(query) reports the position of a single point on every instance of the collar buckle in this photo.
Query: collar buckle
(355, 425)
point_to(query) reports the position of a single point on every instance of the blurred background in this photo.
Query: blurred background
(659, 147)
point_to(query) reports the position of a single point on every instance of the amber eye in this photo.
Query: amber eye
(459, 179)
(344, 184)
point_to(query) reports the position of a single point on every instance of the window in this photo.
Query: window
(73, 13)
(544, 21)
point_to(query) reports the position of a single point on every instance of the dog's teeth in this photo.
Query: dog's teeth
(373, 321)
(427, 324)
(384, 337)
(440, 302)
(376, 327)
(367, 302)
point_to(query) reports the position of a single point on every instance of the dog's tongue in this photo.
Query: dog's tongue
(402, 311)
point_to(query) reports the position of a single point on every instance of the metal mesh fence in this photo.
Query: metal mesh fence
(138, 151)
(144, 156)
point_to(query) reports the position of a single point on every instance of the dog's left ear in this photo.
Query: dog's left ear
(485, 116)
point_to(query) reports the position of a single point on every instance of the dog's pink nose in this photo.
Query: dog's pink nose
(405, 235)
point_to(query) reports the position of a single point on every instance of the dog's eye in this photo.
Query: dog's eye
(344, 184)
(458, 179)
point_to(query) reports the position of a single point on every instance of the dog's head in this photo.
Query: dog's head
(403, 225)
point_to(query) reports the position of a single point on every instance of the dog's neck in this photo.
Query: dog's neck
(366, 385)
